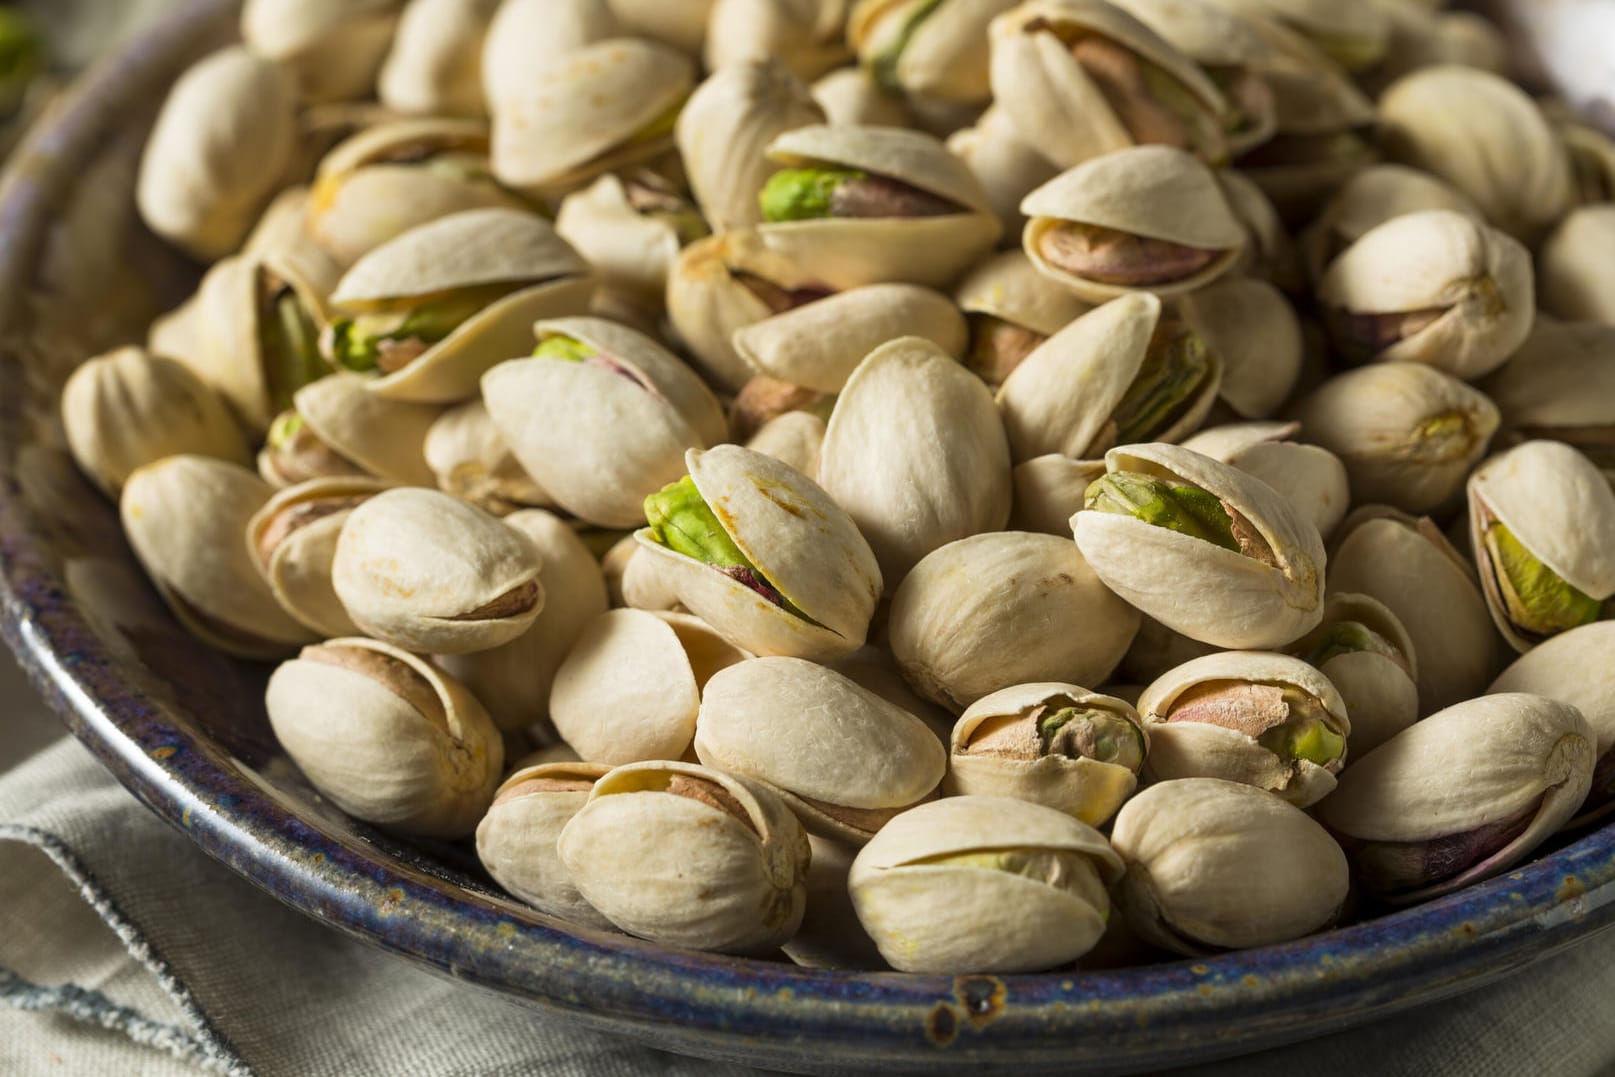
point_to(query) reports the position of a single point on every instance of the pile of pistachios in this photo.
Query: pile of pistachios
(939, 484)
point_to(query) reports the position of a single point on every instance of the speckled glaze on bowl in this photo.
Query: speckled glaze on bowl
(184, 730)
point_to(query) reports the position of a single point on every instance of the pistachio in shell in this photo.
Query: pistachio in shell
(1049, 490)
(471, 460)
(935, 49)
(1310, 478)
(1560, 386)
(681, 26)
(1254, 330)
(850, 96)
(1373, 196)
(795, 438)
(630, 227)
(831, 936)
(521, 29)
(1574, 286)
(293, 538)
(1011, 308)
(1008, 166)
(516, 838)
(1369, 657)
(331, 48)
(1353, 36)
(337, 428)
(808, 39)
(434, 67)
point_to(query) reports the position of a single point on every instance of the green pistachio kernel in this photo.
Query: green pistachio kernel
(1344, 637)
(291, 348)
(388, 341)
(803, 194)
(1310, 739)
(1086, 733)
(1188, 510)
(883, 66)
(286, 427)
(682, 521)
(1174, 369)
(1538, 600)
(565, 348)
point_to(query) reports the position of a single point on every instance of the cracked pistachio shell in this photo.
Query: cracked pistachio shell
(1312, 479)
(1377, 194)
(1561, 511)
(513, 681)
(1002, 609)
(632, 252)
(1088, 789)
(522, 29)
(435, 65)
(516, 839)
(1009, 167)
(831, 936)
(1462, 795)
(1214, 865)
(851, 97)
(374, 435)
(422, 570)
(387, 737)
(819, 345)
(1461, 295)
(129, 408)
(1155, 192)
(221, 147)
(600, 436)
(795, 439)
(726, 127)
(472, 461)
(1216, 595)
(292, 540)
(331, 48)
(848, 252)
(467, 250)
(1408, 565)
(931, 905)
(1187, 748)
(880, 462)
(687, 856)
(585, 114)
(1064, 396)
(630, 688)
(1483, 135)
(940, 54)
(845, 760)
(1407, 433)
(1351, 35)
(798, 539)
(1254, 330)
(1380, 690)
(1008, 287)
(1059, 107)
(1561, 385)
(1575, 266)
(1049, 490)
(184, 516)
(282, 237)
(806, 37)
(633, 579)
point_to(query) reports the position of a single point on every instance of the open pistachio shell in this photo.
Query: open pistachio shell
(1312, 479)
(522, 29)
(1367, 654)
(633, 581)
(387, 737)
(222, 145)
(516, 839)
(1373, 196)
(282, 237)
(1561, 385)
(366, 433)
(435, 65)
(850, 96)
(924, 49)
(1174, 229)
(129, 408)
(1573, 264)
(422, 570)
(1054, 744)
(1215, 865)
(513, 680)
(792, 542)
(1011, 308)
(1009, 167)
(684, 855)
(332, 48)
(602, 434)
(601, 107)
(1462, 795)
(1049, 490)
(984, 884)
(1542, 528)
(630, 232)
(883, 467)
(1253, 580)
(1266, 720)
(1407, 433)
(848, 252)
(808, 39)
(184, 516)
(472, 461)
(292, 540)
(1254, 330)
(873, 668)
(1002, 609)
(819, 345)
(1351, 35)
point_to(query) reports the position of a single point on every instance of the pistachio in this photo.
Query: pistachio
(332, 49)
(1560, 386)
(1310, 478)
(808, 39)
(521, 29)
(1368, 656)
(472, 461)
(1373, 196)
(435, 65)
(516, 838)
(1011, 309)
(1049, 490)
(850, 96)
(1008, 166)
(630, 228)
(1354, 36)
(337, 428)
(1254, 331)
(1572, 284)
(931, 49)
(831, 936)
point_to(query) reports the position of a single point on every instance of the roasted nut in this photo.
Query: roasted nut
(1560, 386)
(809, 39)
(516, 838)
(1312, 479)
(472, 461)
(522, 29)
(1373, 196)
(292, 540)
(925, 48)
(1254, 330)
(332, 48)
(1574, 265)
(1011, 308)
(1368, 656)
(337, 428)
(435, 65)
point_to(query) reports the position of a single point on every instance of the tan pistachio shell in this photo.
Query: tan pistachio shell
(1351, 35)
(1312, 479)
(516, 839)
(849, 96)
(831, 936)
(1271, 254)
(1195, 587)
(632, 252)
(598, 442)
(795, 439)
(807, 38)
(472, 461)
(1009, 167)
(882, 465)
(435, 65)
(679, 871)
(522, 29)
(1560, 384)
(1574, 262)
(1049, 490)
(682, 26)
(941, 918)
(1373, 196)
(635, 580)
(179, 335)
(282, 237)
(944, 57)
(184, 516)
(1008, 286)
(1254, 330)
(374, 752)
(385, 437)
(332, 48)
(1002, 609)
(1381, 692)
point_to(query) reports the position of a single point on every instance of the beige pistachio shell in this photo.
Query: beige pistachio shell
(1002, 609)
(1271, 253)
(185, 516)
(849, 96)
(1482, 134)
(819, 345)
(422, 570)
(596, 441)
(1215, 865)
(179, 335)
(1009, 167)
(944, 56)
(841, 757)
(472, 461)
(682, 26)
(292, 540)
(581, 115)
(222, 145)
(795, 439)
(435, 65)
(797, 538)
(680, 871)
(1494, 776)
(1381, 691)
(1312, 479)
(634, 580)
(1373, 196)
(282, 237)
(831, 936)
(129, 408)
(1049, 490)
(385, 437)
(1407, 433)
(1575, 285)
(632, 252)
(1062, 398)
(332, 48)
(1207, 592)
(1088, 789)
(1560, 384)
(1351, 35)
(1254, 330)
(872, 667)
(1007, 286)
(1153, 191)
(936, 917)
(516, 839)
(514, 680)
(523, 29)
(807, 38)
(387, 737)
